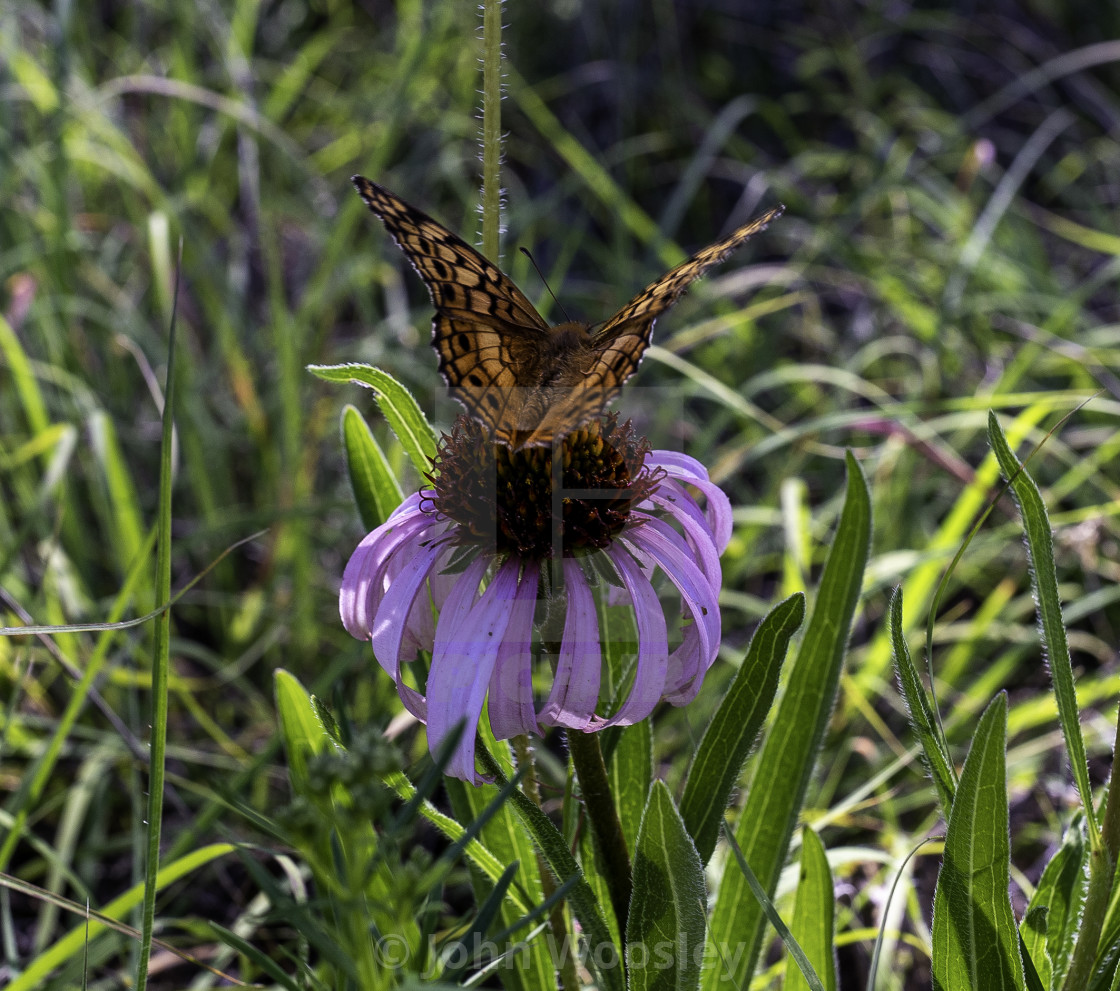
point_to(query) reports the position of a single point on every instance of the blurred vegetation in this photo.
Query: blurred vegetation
(951, 244)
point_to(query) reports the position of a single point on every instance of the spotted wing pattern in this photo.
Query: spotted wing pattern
(622, 341)
(526, 381)
(489, 337)
(624, 338)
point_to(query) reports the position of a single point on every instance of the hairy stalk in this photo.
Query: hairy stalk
(491, 126)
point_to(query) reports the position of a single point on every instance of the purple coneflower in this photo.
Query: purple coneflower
(466, 569)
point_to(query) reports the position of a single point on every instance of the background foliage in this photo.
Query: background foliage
(951, 244)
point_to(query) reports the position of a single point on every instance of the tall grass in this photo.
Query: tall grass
(950, 246)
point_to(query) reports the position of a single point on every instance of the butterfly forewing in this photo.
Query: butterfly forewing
(529, 383)
(487, 334)
(635, 320)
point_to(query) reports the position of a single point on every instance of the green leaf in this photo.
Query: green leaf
(630, 771)
(922, 717)
(1044, 578)
(665, 927)
(376, 490)
(727, 741)
(401, 410)
(301, 728)
(604, 955)
(785, 763)
(813, 916)
(1049, 927)
(975, 941)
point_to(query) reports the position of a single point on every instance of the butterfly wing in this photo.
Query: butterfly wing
(619, 346)
(488, 336)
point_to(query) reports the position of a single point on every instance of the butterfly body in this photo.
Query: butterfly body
(528, 382)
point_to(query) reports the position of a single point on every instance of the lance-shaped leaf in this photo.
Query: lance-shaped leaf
(975, 940)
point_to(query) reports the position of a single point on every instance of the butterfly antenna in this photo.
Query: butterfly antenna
(528, 254)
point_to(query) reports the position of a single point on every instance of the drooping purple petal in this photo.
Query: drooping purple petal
(391, 622)
(420, 631)
(697, 533)
(363, 581)
(653, 642)
(685, 469)
(686, 673)
(655, 539)
(511, 684)
(575, 687)
(468, 636)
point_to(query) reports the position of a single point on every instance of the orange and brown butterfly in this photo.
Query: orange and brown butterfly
(529, 383)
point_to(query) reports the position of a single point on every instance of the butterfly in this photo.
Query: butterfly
(528, 382)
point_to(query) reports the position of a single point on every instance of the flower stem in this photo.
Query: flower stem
(587, 757)
(491, 126)
(557, 918)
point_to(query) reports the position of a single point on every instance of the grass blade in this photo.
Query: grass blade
(160, 655)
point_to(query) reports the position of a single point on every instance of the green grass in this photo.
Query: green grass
(950, 246)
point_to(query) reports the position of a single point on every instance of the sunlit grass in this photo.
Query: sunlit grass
(943, 253)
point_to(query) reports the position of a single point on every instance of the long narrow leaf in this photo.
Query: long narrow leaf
(771, 913)
(814, 916)
(1044, 577)
(1049, 926)
(785, 763)
(726, 742)
(401, 410)
(604, 954)
(376, 490)
(922, 717)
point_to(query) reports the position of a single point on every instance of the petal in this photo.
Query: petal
(685, 469)
(468, 635)
(686, 674)
(511, 684)
(420, 632)
(391, 622)
(655, 539)
(682, 508)
(575, 688)
(653, 642)
(363, 581)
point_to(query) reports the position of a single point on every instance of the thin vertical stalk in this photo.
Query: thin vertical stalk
(160, 654)
(491, 126)
(558, 917)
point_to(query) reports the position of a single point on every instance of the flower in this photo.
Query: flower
(467, 570)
